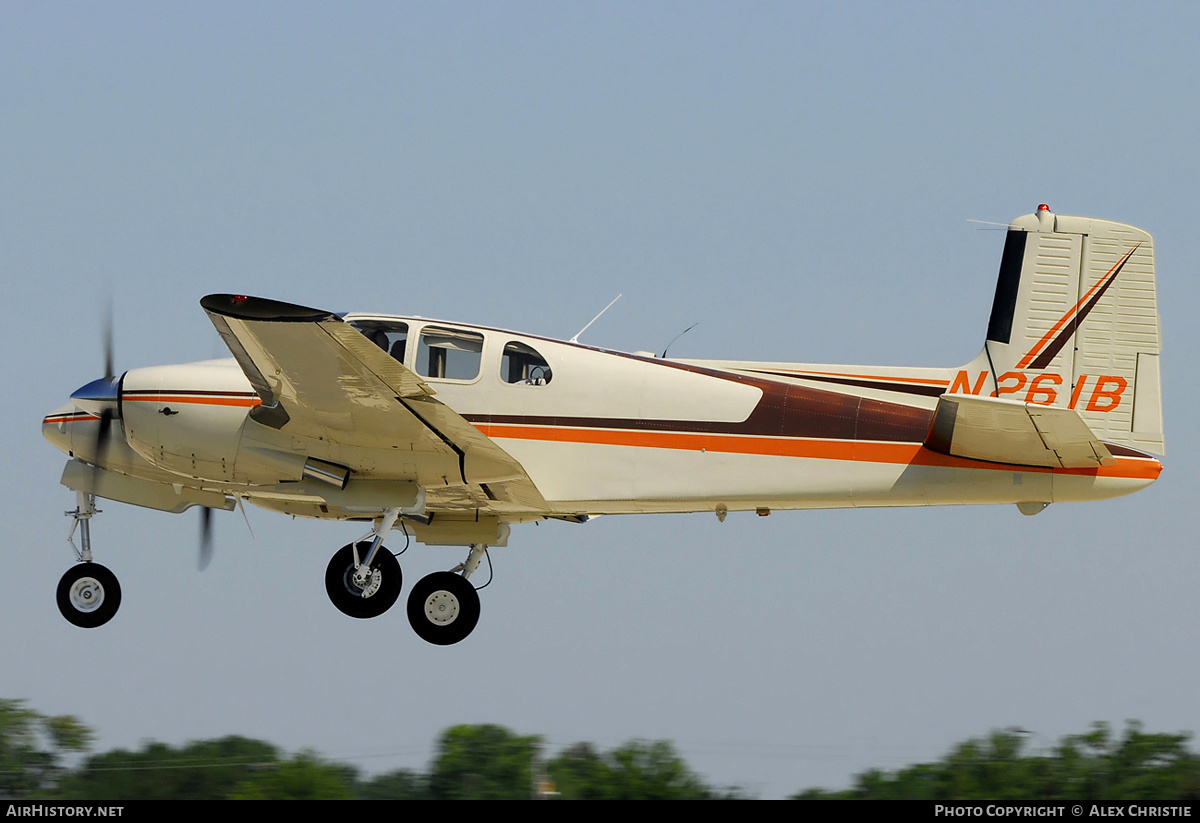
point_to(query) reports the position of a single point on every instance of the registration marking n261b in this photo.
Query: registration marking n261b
(1107, 391)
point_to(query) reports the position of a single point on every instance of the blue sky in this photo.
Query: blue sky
(796, 177)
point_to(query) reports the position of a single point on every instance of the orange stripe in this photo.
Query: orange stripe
(1037, 347)
(69, 416)
(204, 401)
(859, 451)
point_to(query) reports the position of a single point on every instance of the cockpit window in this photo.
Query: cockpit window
(389, 335)
(522, 365)
(451, 354)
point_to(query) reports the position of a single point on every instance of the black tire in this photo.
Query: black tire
(348, 597)
(88, 595)
(443, 608)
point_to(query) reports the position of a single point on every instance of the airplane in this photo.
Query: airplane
(451, 432)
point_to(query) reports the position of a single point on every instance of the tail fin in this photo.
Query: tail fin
(1075, 324)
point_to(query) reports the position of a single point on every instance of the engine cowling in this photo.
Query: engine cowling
(187, 419)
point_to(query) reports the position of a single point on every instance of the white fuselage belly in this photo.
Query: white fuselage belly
(622, 479)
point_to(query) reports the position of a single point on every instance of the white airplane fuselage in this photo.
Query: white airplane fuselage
(610, 433)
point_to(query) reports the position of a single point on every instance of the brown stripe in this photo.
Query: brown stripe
(784, 411)
(906, 388)
(1126, 451)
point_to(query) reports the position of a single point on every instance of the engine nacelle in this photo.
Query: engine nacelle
(188, 419)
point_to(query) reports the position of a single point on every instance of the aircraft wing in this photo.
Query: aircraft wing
(321, 379)
(1009, 431)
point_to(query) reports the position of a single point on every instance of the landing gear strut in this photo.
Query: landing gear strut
(443, 607)
(88, 594)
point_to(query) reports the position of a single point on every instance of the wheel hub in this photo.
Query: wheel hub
(441, 608)
(87, 594)
(366, 580)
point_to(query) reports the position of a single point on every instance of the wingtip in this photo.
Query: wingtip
(242, 307)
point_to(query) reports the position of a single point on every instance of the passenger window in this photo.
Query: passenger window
(389, 335)
(451, 354)
(521, 365)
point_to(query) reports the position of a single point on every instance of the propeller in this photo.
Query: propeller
(206, 546)
(104, 430)
(102, 396)
(103, 434)
(107, 331)
(206, 538)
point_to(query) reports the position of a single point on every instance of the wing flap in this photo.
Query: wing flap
(1000, 430)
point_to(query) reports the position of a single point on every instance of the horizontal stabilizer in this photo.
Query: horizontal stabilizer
(1000, 430)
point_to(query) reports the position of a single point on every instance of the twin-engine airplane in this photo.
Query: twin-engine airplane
(453, 432)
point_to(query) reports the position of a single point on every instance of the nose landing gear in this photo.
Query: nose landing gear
(88, 594)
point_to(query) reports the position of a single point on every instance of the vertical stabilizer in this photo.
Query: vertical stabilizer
(1075, 324)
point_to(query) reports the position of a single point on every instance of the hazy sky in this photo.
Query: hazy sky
(796, 177)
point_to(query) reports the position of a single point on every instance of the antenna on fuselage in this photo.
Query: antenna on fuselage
(676, 337)
(575, 339)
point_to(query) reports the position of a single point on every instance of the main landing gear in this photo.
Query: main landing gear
(363, 580)
(443, 607)
(88, 594)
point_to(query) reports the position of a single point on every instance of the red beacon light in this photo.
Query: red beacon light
(1043, 207)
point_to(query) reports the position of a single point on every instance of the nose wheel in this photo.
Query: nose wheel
(361, 590)
(89, 595)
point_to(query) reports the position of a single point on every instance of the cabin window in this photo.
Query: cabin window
(451, 354)
(522, 365)
(389, 335)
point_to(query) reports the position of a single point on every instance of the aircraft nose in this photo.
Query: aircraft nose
(54, 426)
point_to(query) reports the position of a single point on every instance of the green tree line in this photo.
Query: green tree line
(491, 762)
(470, 762)
(1094, 767)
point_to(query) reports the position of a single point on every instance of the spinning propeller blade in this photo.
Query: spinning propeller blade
(206, 547)
(108, 342)
(103, 435)
(102, 396)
